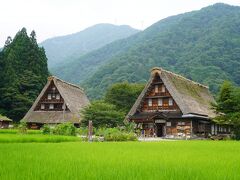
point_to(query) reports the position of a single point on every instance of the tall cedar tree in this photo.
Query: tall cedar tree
(23, 73)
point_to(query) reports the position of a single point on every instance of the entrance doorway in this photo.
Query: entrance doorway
(160, 130)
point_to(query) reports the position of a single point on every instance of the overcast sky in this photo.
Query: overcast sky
(51, 18)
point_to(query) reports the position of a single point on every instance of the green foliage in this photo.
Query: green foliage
(46, 129)
(115, 134)
(83, 131)
(226, 99)
(102, 114)
(123, 95)
(228, 102)
(22, 127)
(23, 73)
(66, 129)
(201, 45)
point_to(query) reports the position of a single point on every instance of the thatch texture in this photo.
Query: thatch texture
(74, 98)
(191, 97)
(4, 118)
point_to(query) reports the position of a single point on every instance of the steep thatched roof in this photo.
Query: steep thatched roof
(74, 97)
(191, 97)
(4, 118)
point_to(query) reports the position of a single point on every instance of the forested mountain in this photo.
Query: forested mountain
(202, 45)
(66, 48)
(23, 73)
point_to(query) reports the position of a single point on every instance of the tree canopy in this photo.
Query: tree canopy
(102, 114)
(228, 106)
(123, 95)
(23, 73)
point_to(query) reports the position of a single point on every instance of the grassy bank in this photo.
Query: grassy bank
(125, 160)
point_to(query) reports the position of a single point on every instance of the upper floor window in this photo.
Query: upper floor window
(170, 102)
(160, 102)
(42, 106)
(57, 96)
(49, 96)
(156, 88)
(53, 89)
(163, 88)
(51, 106)
(181, 123)
(149, 102)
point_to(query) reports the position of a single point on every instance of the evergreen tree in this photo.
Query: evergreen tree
(228, 107)
(23, 74)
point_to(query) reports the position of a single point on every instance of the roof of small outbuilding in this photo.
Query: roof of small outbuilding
(4, 118)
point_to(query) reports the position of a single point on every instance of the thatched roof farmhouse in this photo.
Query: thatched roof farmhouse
(58, 102)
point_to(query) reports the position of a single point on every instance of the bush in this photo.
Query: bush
(46, 129)
(114, 134)
(67, 129)
(22, 127)
(83, 131)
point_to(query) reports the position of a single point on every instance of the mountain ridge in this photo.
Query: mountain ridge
(60, 48)
(201, 45)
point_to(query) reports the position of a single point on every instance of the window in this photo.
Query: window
(53, 95)
(57, 96)
(51, 106)
(160, 102)
(53, 89)
(163, 88)
(42, 106)
(170, 101)
(181, 123)
(64, 107)
(156, 88)
(169, 124)
(149, 102)
(49, 96)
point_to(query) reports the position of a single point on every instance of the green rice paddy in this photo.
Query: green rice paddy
(123, 160)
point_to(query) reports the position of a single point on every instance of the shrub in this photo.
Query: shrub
(114, 134)
(67, 129)
(46, 129)
(22, 127)
(83, 131)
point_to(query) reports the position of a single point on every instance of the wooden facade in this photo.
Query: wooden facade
(59, 102)
(4, 122)
(172, 106)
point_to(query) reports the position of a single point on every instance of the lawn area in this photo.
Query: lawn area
(123, 160)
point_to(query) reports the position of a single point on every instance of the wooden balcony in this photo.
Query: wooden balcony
(159, 108)
(52, 101)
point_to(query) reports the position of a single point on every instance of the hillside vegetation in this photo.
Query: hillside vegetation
(67, 48)
(202, 45)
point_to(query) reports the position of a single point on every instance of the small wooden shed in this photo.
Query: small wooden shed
(4, 121)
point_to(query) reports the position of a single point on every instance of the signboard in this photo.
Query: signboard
(160, 121)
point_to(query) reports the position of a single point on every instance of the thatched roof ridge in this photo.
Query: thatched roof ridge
(177, 75)
(73, 85)
(191, 97)
(74, 98)
(4, 118)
